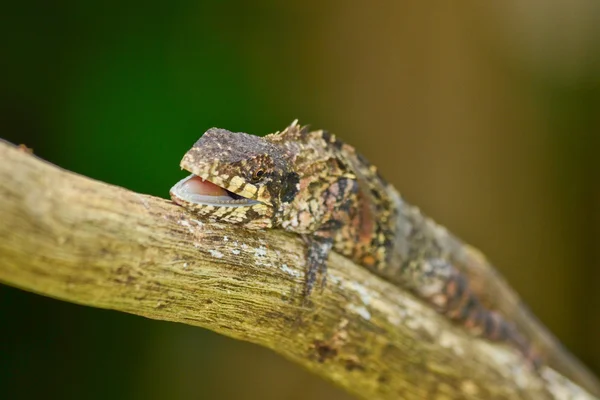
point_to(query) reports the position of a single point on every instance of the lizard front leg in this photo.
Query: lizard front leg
(339, 199)
(318, 249)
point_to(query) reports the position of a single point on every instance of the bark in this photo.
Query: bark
(72, 238)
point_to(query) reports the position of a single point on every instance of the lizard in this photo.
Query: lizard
(313, 184)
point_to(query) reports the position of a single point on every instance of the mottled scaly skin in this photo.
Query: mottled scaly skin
(313, 184)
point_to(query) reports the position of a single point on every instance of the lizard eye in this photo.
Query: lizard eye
(257, 175)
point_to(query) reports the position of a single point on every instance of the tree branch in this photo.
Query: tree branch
(79, 240)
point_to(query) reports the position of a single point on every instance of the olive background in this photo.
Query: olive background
(485, 115)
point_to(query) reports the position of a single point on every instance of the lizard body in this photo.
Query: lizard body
(315, 185)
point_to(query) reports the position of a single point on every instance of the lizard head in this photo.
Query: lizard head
(236, 178)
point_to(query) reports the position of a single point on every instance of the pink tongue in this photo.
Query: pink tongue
(198, 185)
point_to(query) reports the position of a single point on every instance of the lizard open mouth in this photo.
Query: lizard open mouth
(194, 189)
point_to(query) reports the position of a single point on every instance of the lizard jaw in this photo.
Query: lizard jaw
(196, 190)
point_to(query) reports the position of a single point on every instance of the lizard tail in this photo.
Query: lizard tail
(464, 307)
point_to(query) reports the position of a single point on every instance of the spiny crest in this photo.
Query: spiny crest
(302, 136)
(293, 133)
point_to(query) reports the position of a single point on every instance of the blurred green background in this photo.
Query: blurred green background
(485, 115)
